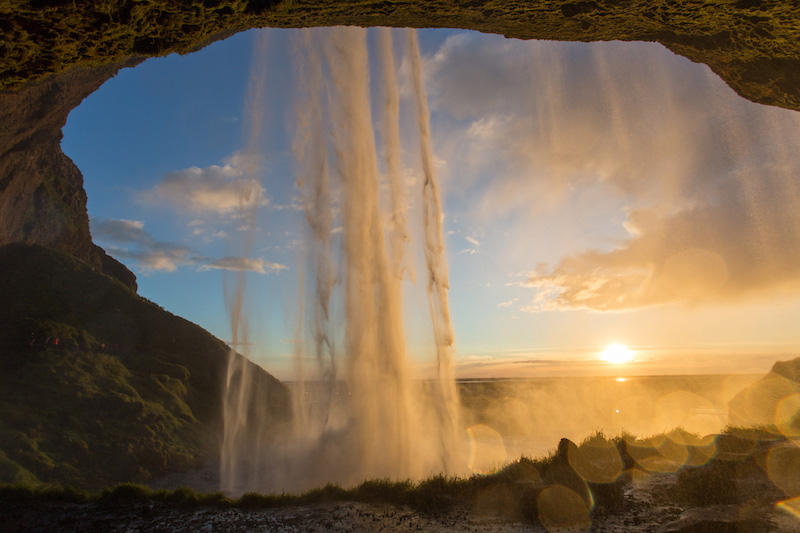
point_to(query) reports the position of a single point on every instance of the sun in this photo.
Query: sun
(616, 354)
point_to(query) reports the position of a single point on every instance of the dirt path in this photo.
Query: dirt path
(648, 509)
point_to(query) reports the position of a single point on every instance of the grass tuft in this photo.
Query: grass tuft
(126, 492)
(383, 490)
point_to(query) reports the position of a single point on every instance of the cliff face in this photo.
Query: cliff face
(42, 200)
(57, 53)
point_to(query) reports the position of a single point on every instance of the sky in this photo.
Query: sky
(594, 194)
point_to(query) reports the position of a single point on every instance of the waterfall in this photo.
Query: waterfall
(359, 413)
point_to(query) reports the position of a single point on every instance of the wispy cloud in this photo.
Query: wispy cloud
(127, 239)
(221, 189)
(139, 245)
(243, 264)
(734, 248)
(292, 206)
(199, 229)
(121, 230)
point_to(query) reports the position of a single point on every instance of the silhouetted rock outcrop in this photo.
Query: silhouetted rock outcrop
(772, 400)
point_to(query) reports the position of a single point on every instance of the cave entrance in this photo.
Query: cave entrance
(595, 195)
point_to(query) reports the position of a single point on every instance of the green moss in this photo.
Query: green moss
(754, 46)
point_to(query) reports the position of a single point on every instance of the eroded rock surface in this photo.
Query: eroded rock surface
(42, 200)
(56, 53)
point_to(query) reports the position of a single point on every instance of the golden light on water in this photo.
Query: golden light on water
(617, 354)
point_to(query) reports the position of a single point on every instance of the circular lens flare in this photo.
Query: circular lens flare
(488, 450)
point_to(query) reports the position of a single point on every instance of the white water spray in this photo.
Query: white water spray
(436, 263)
(244, 428)
(359, 414)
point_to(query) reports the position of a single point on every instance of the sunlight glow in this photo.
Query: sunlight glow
(616, 354)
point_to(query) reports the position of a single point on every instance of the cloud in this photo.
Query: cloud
(127, 239)
(646, 177)
(121, 230)
(472, 241)
(224, 190)
(722, 252)
(207, 234)
(151, 255)
(243, 264)
(166, 260)
(292, 206)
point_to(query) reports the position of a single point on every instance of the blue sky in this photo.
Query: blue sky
(593, 194)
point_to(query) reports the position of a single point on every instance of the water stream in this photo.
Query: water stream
(358, 413)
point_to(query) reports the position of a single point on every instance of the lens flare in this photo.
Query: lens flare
(783, 463)
(791, 506)
(488, 450)
(597, 461)
(561, 509)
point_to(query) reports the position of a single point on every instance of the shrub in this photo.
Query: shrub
(383, 490)
(126, 492)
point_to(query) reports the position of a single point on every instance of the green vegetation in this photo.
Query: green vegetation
(753, 44)
(510, 492)
(515, 492)
(98, 385)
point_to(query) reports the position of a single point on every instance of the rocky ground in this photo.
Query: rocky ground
(648, 508)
